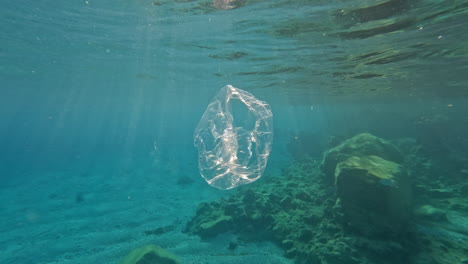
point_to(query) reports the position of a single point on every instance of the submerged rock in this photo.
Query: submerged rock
(372, 186)
(363, 144)
(374, 193)
(216, 226)
(211, 220)
(150, 254)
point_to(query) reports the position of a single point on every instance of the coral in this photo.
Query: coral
(150, 254)
(351, 208)
(296, 212)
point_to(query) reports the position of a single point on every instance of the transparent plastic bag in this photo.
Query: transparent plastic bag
(234, 138)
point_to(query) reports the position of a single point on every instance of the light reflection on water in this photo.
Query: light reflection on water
(405, 48)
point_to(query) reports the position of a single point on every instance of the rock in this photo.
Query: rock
(216, 226)
(150, 254)
(184, 180)
(160, 230)
(210, 227)
(210, 220)
(429, 212)
(374, 193)
(363, 144)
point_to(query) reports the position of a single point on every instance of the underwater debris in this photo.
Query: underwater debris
(234, 138)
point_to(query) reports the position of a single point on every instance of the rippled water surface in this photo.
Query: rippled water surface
(332, 48)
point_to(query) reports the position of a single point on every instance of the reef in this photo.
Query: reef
(367, 201)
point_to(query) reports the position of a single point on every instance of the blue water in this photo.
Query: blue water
(99, 102)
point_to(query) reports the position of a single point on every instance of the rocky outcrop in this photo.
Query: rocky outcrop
(372, 186)
(375, 195)
(363, 144)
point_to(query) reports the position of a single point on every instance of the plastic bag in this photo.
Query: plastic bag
(234, 138)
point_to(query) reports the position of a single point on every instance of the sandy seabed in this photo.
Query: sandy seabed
(100, 215)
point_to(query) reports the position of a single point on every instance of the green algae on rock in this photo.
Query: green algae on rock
(150, 254)
(372, 186)
(360, 145)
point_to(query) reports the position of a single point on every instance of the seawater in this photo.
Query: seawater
(100, 99)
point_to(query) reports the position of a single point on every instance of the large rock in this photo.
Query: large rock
(150, 254)
(374, 193)
(363, 144)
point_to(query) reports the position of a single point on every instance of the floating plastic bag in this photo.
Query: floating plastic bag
(234, 138)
